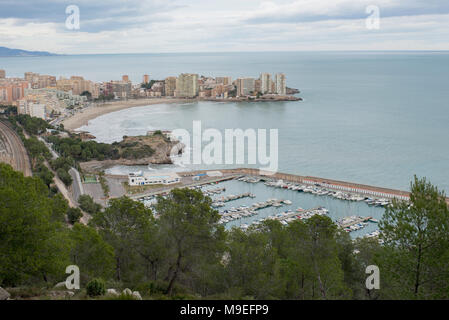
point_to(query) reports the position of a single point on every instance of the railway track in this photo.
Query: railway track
(14, 150)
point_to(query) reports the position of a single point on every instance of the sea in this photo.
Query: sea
(374, 117)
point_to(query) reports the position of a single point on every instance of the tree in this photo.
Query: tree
(251, 265)
(88, 204)
(59, 207)
(322, 253)
(190, 232)
(31, 244)
(91, 253)
(44, 174)
(74, 215)
(64, 176)
(121, 225)
(416, 244)
(87, 94)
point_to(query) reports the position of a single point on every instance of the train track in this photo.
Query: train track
(14, 150)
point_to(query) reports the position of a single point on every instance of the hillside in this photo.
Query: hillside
(7, 52)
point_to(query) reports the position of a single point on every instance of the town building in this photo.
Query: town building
(143, 179)
(187, 85)
(2, 74)
(120, 89)
(78, 85)
(245, 86)
(170, 86)
(12, 90)
(31, 108)
(38, 81)
(265, 83)
(146, 78)
(281, 88)
(223, 80)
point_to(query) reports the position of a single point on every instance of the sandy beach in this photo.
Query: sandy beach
(82, 117)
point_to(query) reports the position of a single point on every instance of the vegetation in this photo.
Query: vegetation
(104, 184)
(75, 148)
(415, 255)
(148, 85)
(178, 250)
(87, 94)
(32, 125)
(74, 215)
(96, 287)
(88, 204)
(104, 97)
(79, 150)
(9, 110)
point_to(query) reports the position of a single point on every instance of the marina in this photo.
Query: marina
(246, 200)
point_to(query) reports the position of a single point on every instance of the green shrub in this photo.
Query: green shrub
(96, 287)
(74, 215)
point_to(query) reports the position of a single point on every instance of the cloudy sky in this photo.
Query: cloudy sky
(140, 26)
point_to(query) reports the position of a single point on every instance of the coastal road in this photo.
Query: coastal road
(77, 186)
(12, 150)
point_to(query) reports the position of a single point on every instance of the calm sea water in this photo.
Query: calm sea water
(369, 117)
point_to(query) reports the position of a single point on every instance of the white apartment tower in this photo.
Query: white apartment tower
(265, 83)
(280, 84)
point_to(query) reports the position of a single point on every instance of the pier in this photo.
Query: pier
(234, 197)
(258, 175)
(353, 221)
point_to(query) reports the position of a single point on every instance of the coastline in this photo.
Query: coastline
(81, 118)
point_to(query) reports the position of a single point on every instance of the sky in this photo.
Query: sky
(159, 26)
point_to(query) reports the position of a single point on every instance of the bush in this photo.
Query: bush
(74, 215)
(88, 204)
(64, 176)
(96, 287)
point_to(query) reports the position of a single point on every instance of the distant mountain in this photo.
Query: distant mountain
(7, 52)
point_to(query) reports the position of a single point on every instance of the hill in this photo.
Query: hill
(7, 52)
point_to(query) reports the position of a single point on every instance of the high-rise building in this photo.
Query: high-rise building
(146, 78)
(258, 85)
(120, 89)
(31, 108)
(77, 85)
(12, 90)
(2, 74)
(170, 86)
(125, 78)
(187, 85)
(265, 83)
(245, 86)
(223, 80)
(39, 81)
(281, 88)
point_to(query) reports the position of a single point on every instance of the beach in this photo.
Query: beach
(82, 117)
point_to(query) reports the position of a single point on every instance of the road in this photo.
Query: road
(77, 186)
(13, 151)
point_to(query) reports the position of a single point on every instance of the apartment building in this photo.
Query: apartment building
(245, 86)
(281, 88)
(187, 85)
(170, 86)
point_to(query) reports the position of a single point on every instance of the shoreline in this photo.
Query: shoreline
(82, 117)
